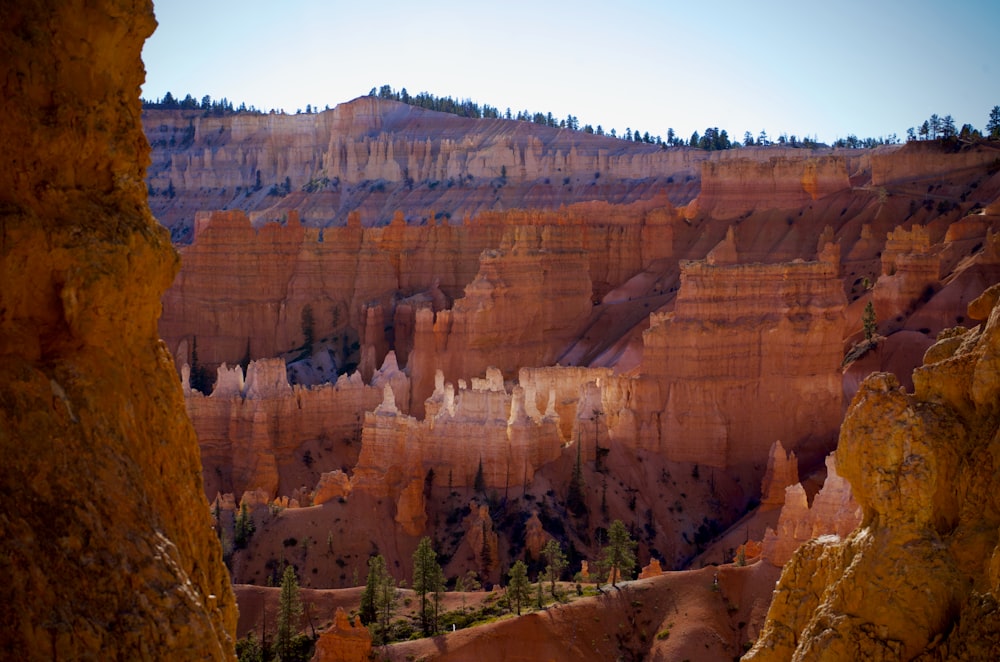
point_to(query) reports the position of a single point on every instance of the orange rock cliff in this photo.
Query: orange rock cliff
(105, 539)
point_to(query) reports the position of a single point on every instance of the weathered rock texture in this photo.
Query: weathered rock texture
(735, 186)
(254, 435)
(918, 578)
(766, 334)
(378, 156)
(834, 512)
(105, 542)
(344, 641)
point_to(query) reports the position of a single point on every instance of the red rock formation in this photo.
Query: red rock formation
(834, 512)
(782, 471)
(921, 466)
(525, 305)
(651, 570)
(918, 159)
(106, 545)
(740, 334)
(254, 436)
(734, 186)
(344, 641)
(480, 425)
(372, 154)
(331, 485)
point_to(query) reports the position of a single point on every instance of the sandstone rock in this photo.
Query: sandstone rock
(252, 438)
(106, 547)
(535, 536)
(411, 514)
(481, 538)
(344, 641)
(834, 512)
(429, 160)
(332, 485)
(651, 570)
(733, 186)
(782, 471)
(740, 334)
(921, 467)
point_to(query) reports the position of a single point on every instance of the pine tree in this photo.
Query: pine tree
(378, 600)
(869, 322)
(518, 590)
(618, 557)
(244, 527)
(556, 563)
(427, 578)
(289, 612)
(993, 124)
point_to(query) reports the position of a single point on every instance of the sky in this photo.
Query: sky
(800, 67)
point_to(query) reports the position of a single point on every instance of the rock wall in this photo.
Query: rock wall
(750, 354)
(242, 290)
(734, 186)
(484, 425)
(106, 544)
(833, 512)
(526, 304)
(251, 434)
(921, 466)
(377, 156)
(927, 158)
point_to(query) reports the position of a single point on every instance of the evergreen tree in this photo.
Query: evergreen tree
(993, 124)
(924, 130)
(556, 563)
(748, 139)
(378, 600)
(244, 527)
(427, 578)
(618, 557)
(518, 589)
(868, 321)
(249, 649)
(948, 127)
(289, 612)
(935, 125)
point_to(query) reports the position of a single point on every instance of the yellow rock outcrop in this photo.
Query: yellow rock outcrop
(106, 546)
(917, 579)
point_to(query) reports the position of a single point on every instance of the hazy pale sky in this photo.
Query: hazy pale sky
(803, 67)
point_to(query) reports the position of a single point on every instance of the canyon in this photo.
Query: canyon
(386, 323)
(369, 373)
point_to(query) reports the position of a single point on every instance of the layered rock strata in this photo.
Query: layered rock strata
(921, 466)
(739, 334)
(243, 291)
(251, 433)
(106, 544)
(833, 512)
(377, 155)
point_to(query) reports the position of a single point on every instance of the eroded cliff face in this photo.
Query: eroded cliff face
(378, 156)
(105, 541)
(922, 467)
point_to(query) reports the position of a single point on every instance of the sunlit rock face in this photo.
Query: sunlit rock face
(105, 543)
(921, 465)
